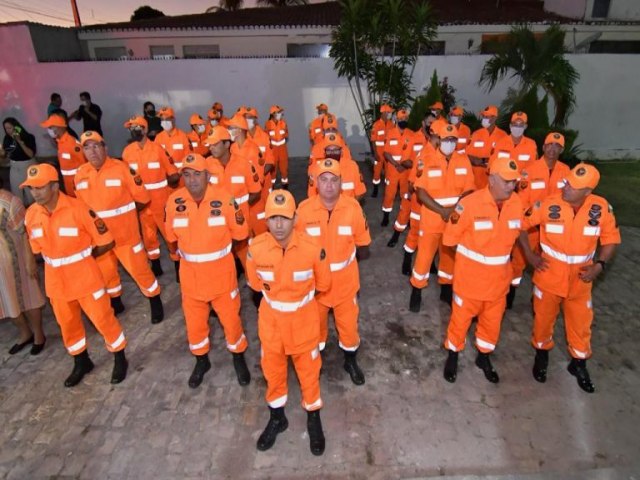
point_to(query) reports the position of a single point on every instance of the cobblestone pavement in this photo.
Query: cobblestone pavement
(405, 422)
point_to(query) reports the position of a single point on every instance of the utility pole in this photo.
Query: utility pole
(76, 15)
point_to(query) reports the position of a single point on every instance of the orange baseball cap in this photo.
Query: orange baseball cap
(490, 111)
(386, 108)
(40, 175)
(322, 106)
(194, 161)
(217, 134)
(54, 121)
(251, 112)
(329, 121)
(329, 165)
(238, 121)
(555, 137)
(457, 110)
(136, 121)
(242, 109)
(90, 136)
(213, 114)
(275, 109)
(196, 119)
(519, 116)
(332, 140)
(280, 203)
(402, 114)
(217, 106)
(505, 168)
(437, 106)
(166, 112)
(447, 130)
(583, 175)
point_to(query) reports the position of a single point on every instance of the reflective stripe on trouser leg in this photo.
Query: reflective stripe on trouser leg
(274, 367)
(134, 259)
(411, 241)
(546, 307)
(346, 318)
(149, 231)
(377, 167)
(196, 317)
(67, 315)
(281, 156)
(98, 310)
(323, 317)
(578, 316)
(445, 264)
(392, 182)
(428, 244)
(489, 320)
(108, 265)
(462, 311)
(227, 306)
(307, 367)
(402, 220)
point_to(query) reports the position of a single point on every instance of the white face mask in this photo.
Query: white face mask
(434, 113)
(51, 132)
(167, 125)
(213, 122)
(448, 147)
(278, 116)
(517, 131)
(389, 115)
(251, 122)
(233, 135)
(486, 123)
(200, 128)
(454, 120)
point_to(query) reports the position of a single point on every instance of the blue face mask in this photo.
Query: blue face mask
(403, 124)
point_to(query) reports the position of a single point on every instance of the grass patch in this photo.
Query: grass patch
(620, 185)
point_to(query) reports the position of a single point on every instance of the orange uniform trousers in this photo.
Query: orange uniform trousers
(394, 182)
(68, 314)
(346, 318)
(518, 262)
(578, 316)
(428, 245)
(489, 315)
(196, 316)
(150, 223)
(409, 214)
(281, 162)
(378, 164)
(134, 260)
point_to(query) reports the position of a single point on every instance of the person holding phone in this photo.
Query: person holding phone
(19, 147)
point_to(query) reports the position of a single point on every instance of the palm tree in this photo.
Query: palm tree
(281, 3)
(537, 63)
(230, 5)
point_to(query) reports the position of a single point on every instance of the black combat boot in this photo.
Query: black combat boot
(156, 268)
(540, 365)
(578, 368)
(393, 241)
(483, 362)
(446, 293)
(352, 368)
(416, 299)
(406, 263)
(451, 367)
(278, 423)
(385, 219)
(374, 193)
(120, 366)
(203, 365)
(117, 305)
(82, 365)
(240, 366)
(316, 435)
(157, 311)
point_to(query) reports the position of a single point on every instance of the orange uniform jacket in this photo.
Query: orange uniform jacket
(261, 139)
(204, 233)
(288, 280)
(541, 183)
(238, 177)
(524, 154)
(252, 154)
(444, 182)
(399, 145)
(464, 135)
(315, 128)
(568, 240)
(351, 178)
(153, 165)
(483, 142)
(485, 237)
(65, 238)
(379, 132)
(339, 232)
(278, 132)
(70, 157)
(197, 142)
(176, 143)
(112, 192)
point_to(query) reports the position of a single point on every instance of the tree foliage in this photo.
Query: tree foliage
(281, 3)
(145, 12)
(231, 5)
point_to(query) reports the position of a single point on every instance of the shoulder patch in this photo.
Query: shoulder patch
(239, 217)
(459, 208)
(100, 226)
(179, 200)
(77, 149)
(323, 254)
(132, 171)
(137, 180)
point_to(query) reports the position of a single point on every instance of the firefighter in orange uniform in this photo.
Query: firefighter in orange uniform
(482, 143)
(315, 127)
(522, 149)
(398, 150)
(378, 136)
(436, 110)
(446, 178)
(572, 225)
(152, 163)
(216, 115)
(203, 220)
(484, 226)
(278, 131)
(69, 236)
(171, 138)
(289, 269)
(198, 135)
(261, 139)
(541, 179)
(329, 126)
(70, 155)
(116, 193)
(464, 132)
(338, 223)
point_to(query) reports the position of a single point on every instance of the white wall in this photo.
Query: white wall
(567, 8)
(606, 115)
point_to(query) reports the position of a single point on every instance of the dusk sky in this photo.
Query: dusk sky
(58, 12)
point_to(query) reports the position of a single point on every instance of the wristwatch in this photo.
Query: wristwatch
(603, 264)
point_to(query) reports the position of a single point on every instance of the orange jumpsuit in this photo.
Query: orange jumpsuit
(524, 153)
(568, 241)
(339, 232)
(73, 282)
(464, 135)
(112, 192)
(252, 154)
(409, 213)
(315, 128)
(261, 138)
(70, 157)
(288, 315)
(153, 165)
(176, 143)
(481, 145)
(352, 183)
(400, 146)
(444, 181)
(485, 236)
(378, 136)
(204, 232)
(197, 142)
(538, 183)
(279, 133)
